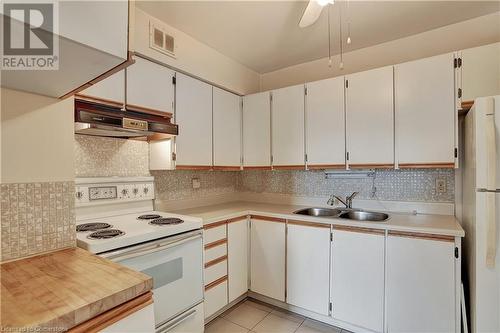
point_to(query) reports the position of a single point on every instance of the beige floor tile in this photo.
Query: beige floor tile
(246, 315)
(221, 325)
(259, 305)
(288, 315)
(312, 326)
(273, 323)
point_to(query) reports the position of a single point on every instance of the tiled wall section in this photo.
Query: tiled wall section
(96, 157)
(36, 217)
(177, 185)
(393, 185)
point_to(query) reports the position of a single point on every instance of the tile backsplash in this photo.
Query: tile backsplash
(97, 156)
(36, 217)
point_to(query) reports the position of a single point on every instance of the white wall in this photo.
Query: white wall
(36, 138)
(196, 58)
(478, 31)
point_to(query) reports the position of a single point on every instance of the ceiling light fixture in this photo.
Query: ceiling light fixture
(323, 3)
(348, 23)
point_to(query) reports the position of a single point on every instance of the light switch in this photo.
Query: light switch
(440, 185)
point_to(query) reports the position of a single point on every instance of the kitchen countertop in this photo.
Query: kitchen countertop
(64, 288)
(446, 225)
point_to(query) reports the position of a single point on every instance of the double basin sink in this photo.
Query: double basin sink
(348, 214)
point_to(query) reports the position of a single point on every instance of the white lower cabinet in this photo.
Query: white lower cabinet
(267, 268)
(237, 245)
(141, 321)
(357, 280)
(420, 285)
(308, 262)
(215, 298)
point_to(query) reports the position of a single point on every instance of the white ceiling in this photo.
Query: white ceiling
(264, 35)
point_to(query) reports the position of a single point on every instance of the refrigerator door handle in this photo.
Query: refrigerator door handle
(491, 150)
(491, 236)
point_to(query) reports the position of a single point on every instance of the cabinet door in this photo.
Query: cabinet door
(425, 112)
(150, 86)
(420, 285)
(288, 126)
(257, 130)
(369, 118)
(481, 71)
(308, 266)
(325, 124)
(111, 89)
(227, 129)
(358, 278)
(237, 244)
(193, 114)
(267, 269)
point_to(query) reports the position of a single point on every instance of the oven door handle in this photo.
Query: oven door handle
(132, 253)
(176, 322)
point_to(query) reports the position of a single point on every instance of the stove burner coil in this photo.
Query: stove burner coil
(149, 217)
(166, 221)
(92, 226)
(105, 234)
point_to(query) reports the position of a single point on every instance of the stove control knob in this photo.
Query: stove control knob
(124, 191)
(135, 190)
(146, 190)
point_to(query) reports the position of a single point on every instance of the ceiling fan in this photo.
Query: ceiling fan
(313, 11)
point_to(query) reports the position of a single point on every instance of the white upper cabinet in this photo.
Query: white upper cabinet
(227, 129)
(193, 114)
(111, 89)
(481, 71)
(358, 278)
(288, 126)
(425, 112)
(308, 263)
(257, 130)
(325, 124)
(102, 25)
(267, 270)
(370, 118)
(150, 86)
(421, 285)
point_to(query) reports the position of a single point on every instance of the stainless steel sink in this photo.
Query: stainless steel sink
(316, 211)
(364, 216)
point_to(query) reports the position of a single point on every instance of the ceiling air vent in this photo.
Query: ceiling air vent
(161, 41)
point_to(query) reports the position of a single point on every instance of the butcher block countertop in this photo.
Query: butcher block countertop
(64, 288)
(445, 225)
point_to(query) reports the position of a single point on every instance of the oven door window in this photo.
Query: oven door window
(177, 274)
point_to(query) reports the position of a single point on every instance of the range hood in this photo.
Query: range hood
(110, 121)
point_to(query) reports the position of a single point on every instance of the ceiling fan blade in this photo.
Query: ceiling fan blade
(311, 14)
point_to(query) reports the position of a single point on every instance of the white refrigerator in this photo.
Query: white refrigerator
(481, 213)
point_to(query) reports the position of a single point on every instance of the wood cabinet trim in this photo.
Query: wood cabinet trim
(325, 166)
(101, 77)
(215, 244)
(216, 261)
(310, 224)
(226, 168)
(214, 224)
(466, 105)
(193, 167)
(418, 235)
(114, 315)
(265, 167)
(142, 109)
(289, 167)
(359, 229)
(371, 166)
(268, 219)
(433, 165)
(237, 219)
(215, 283)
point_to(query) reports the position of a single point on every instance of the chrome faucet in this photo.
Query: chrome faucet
(347, 202)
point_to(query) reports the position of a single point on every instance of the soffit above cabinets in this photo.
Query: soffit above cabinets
(265, 36)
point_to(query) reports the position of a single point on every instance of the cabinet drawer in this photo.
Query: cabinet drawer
(211, 235)
(215, 298)
(215, 272)
(215, 252)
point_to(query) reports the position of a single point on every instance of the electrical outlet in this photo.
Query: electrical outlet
(440, 185)
(196, 183)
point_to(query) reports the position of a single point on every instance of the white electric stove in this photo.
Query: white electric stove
(115, 219)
